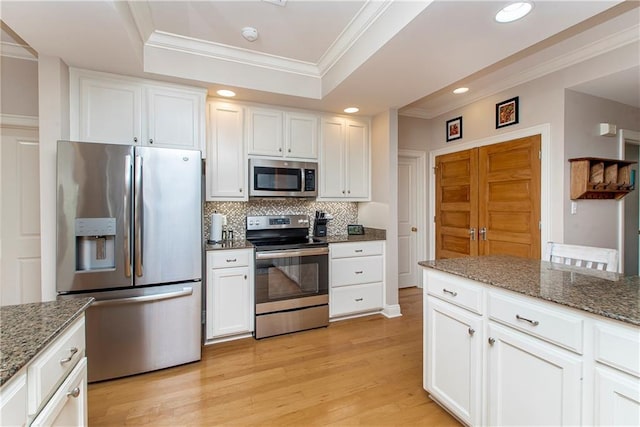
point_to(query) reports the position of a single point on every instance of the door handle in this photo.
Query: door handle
(472, 233)
(483, 233)
(414, 229)
(138, 216)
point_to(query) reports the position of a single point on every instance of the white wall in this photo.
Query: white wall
(595, 222)
(53, 90)
(19, 86)
(382, 211)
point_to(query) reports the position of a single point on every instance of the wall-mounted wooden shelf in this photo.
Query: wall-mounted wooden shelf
(597, 178)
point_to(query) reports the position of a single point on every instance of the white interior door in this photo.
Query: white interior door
(20, 217)
(407, 222)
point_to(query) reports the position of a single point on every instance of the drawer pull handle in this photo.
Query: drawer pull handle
(359, 272)
(472, 331)
(491, 341)
(358, 251)
(533, 322)
(359, 299)
(72, 351)
(74, 393)
(447, 291)
(232, 260)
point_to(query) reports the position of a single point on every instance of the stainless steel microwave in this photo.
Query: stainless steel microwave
(282, 178)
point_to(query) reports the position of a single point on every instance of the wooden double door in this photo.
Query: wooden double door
(488, 200)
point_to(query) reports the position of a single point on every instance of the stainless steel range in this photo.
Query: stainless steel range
(291, 280)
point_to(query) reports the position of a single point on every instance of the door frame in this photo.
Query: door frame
(625, 136)
(421, 190)
(544, 130)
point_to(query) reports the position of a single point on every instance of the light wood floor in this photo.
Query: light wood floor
(365, 371)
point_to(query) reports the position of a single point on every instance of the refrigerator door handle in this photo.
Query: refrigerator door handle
(145, 298)
(127, 217)
(138, 217)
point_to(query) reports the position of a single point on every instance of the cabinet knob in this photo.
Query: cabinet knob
(280, 150)
(491, 341)
(74, 393)
(471, 331)
(150, 140)
(245, 277)
(289, 150)
(414, 229)
(349, 191)
(241, 190)
(342, 191)
(135, 139)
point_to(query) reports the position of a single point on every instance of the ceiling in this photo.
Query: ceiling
(325, 55)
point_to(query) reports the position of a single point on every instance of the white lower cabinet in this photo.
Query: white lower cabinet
(356, 278)
(13, 401)
(527, 361)
(68, 406)
(453, 352)
(229, 309)
(531, 382)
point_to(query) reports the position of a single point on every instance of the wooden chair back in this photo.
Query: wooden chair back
(604, 259)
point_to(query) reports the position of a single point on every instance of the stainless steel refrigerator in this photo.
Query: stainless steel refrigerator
(129, 233)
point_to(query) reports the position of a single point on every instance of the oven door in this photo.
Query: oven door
(291, 274)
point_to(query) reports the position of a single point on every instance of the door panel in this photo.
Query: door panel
(495, 187)
(456, 204)
(509, 191)
(407, 239)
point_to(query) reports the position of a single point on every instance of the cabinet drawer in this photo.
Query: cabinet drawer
(618, 346)
(355, 299)
(457, 290)
(356, 249)
(224, 259)
(553, 325)
(351, 271)
(52, 366)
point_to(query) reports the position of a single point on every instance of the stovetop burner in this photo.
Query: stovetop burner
(280, 232)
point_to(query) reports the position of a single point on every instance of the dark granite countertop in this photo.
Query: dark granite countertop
(228, 244)
(602, 293)
(369, 235)
(26, 329)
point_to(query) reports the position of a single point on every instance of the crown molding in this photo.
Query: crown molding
(169, 41)
(19, 121)
(15, 50)
(366, 16)
(509, 79)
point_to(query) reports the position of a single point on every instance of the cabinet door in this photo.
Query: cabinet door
(175, 118)
(357, 166)
(453, 359)
(13, 401)
(617, 398)
(228, 302)
(68, 406)
(301, 135)
(109, 111)
(226, 168)
(531, 382)
(264, 132)
(332, 159)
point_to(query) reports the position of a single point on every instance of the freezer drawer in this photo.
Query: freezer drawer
(144, 329)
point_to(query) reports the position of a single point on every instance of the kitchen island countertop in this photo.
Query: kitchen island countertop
(602, 293)
(26, 329)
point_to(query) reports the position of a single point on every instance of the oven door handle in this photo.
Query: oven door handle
(291, 253)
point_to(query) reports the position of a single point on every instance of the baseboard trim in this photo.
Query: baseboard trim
(391, 311)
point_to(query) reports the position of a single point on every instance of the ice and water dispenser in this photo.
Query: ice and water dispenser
(95, 243)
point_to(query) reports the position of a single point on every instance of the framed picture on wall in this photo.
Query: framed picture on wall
(454, 129)
(507, 113)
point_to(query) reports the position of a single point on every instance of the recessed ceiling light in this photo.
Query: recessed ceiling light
(514, 11)
(226, 93)
(351, 110)
(461, 90)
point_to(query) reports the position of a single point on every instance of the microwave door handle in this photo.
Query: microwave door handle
(127, 216)
(138, 216)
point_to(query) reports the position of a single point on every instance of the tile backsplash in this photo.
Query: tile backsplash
(343, 213)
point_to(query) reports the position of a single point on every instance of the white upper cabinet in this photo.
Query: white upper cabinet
(264, 132)
(120, 110)
(226, 167)
(344, 160)
(175, 118)
(284, 134)
(301, 135)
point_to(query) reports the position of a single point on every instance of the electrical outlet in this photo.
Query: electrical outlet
(574, 208)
